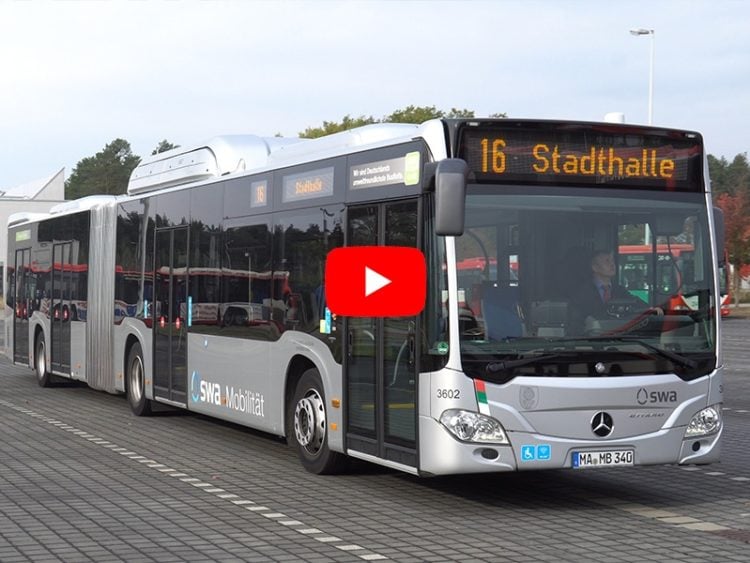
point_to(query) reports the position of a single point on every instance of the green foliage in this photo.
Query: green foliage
(164, 146)
(726, 177)
(730, 183)
(631, 234)
(414, 114)
(717, 172)
(330, 127)
(107, 172)
(409, 114)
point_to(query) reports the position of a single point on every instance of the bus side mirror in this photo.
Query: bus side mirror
(719, 229)
(450, 196)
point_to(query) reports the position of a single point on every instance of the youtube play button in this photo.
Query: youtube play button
(375, 281)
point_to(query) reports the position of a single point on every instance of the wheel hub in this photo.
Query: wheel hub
(309, 421)
(136, 380)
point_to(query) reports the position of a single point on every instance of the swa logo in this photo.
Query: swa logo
(643, 397)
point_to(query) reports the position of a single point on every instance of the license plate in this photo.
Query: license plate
(608, 458)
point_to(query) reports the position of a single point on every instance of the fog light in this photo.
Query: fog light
(470, 426)
(705, 422)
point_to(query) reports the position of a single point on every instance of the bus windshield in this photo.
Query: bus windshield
(531, 300)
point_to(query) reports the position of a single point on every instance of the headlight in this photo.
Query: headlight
(470, 426)
(705, 422)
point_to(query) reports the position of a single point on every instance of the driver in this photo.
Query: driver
(590, 299)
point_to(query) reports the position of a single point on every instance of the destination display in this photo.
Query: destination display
(259, 194)
(583, 155)
(308, 185)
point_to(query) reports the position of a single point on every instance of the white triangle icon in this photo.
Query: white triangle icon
(374, 281)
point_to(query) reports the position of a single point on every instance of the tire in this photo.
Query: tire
(43, 375)
(307, 426)
(135, 380)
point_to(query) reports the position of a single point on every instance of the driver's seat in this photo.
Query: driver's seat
(501, 311)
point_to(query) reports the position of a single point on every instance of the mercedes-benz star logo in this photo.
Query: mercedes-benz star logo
(602, 424)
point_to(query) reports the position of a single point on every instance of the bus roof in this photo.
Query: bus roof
(246, 153)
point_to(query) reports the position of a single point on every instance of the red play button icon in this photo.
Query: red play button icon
(375, 281)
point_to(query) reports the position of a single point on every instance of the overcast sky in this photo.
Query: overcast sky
(76, 75)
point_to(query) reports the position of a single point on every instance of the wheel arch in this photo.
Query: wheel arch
(331, 380)
(130, 341)
(39, 329)
(298, 365)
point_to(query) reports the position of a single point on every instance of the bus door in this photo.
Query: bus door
(22, 303)
(60, 307)
(170, 315)
(380, 353)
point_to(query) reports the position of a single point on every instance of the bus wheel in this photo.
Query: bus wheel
(308, 427)
(43, 376)
(136, 382)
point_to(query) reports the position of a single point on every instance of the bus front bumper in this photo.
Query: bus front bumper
(442, 454)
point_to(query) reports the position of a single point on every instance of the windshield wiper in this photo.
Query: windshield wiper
(497, 367)
(664, 353)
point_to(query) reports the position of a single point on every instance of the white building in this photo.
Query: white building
(37, 196)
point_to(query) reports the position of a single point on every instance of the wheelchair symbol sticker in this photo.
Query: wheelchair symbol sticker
(541, 452)
(528, 453)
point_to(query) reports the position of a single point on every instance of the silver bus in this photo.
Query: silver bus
(203, 288)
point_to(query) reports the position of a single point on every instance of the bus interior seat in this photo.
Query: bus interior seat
(501, 310)
(547, 318)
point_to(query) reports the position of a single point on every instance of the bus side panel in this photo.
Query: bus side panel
(247, 396)
(78, 350)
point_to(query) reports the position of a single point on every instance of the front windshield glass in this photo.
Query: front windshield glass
(584, 284)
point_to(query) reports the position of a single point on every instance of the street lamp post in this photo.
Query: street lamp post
(643, 31)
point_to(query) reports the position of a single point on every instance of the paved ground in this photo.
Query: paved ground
(81, 479)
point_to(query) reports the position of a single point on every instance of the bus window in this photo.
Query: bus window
(245, 309)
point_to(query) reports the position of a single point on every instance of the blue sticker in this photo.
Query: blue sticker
(576, 458)
(328, 321)
(528, 453)
(544, 451)
(195, 387)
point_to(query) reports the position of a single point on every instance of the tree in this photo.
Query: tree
(738, 175)
(736, 231)
(164, 146)
(409, 114)
(717, 171)
(107, 172)
(729, 177)
(730, 184)
(414, 114)
(330, 127)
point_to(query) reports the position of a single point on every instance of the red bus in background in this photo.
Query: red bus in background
(725, 269)
(673, 265)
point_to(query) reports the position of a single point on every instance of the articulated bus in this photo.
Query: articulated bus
(205, 291)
